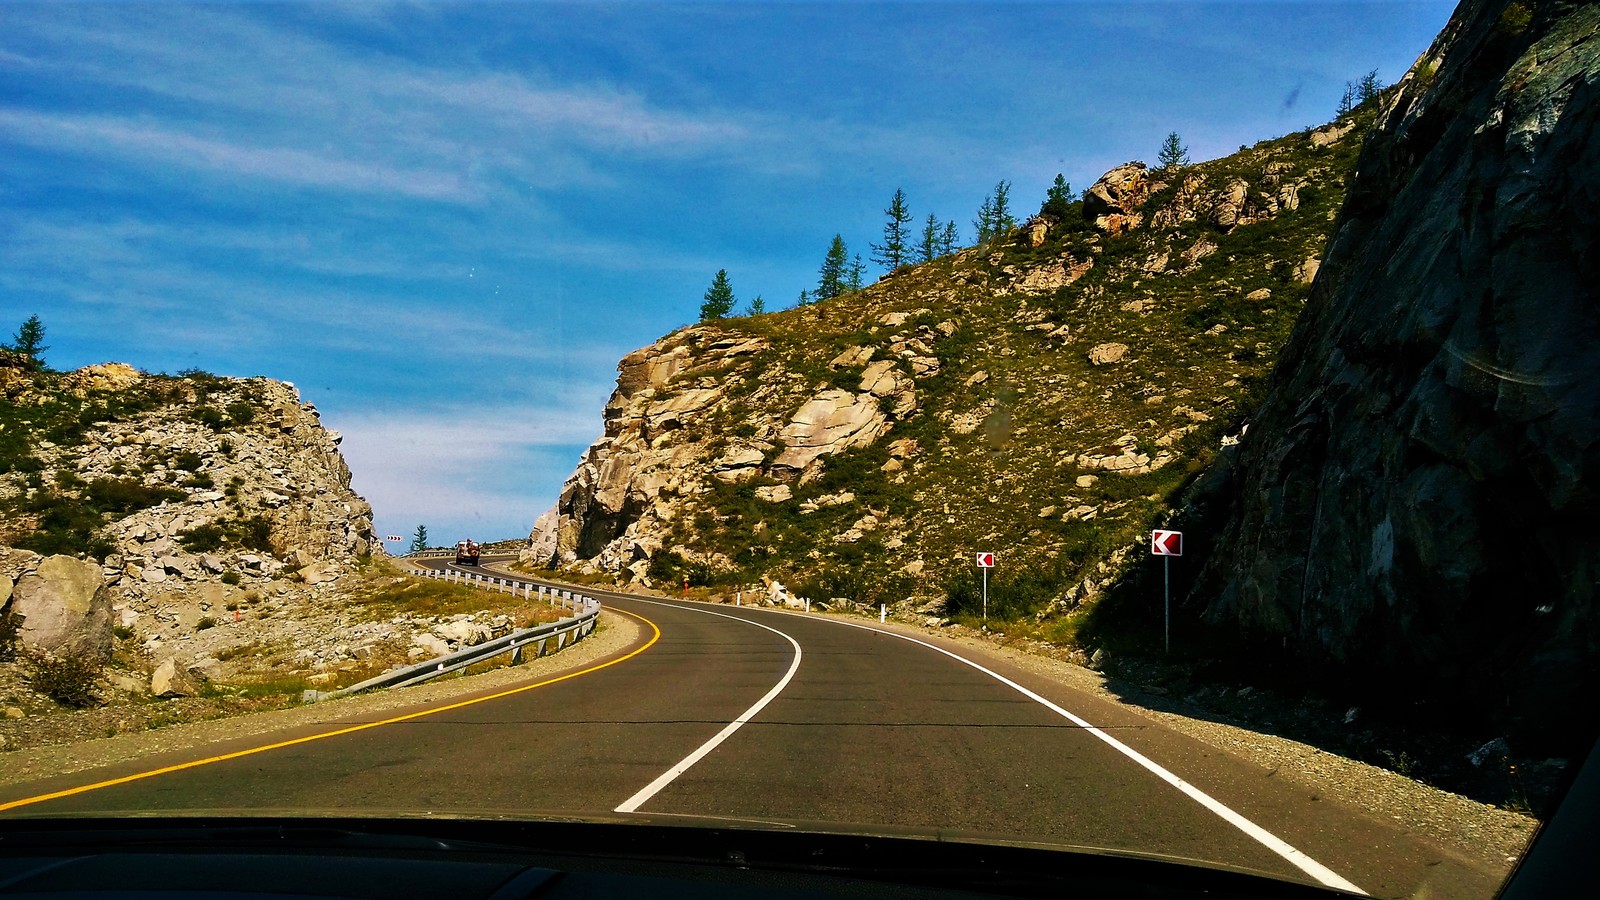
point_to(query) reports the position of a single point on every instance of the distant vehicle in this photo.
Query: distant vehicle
(467, 552)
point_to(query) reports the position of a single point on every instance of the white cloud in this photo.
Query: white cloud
(487, 471)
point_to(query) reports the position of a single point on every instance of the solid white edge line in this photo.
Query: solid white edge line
(633, 803)
(1266, 838)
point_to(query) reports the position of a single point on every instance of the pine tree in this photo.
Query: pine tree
(855, 274)
(805, 298)
(949, 239)
(1058, 199)
(419, 541)
(757, 307)
(891, 254)
(718, 299)
(29, 341)
(1347, 103)
(831, 277)
(1173, 155)
(928, 247)
(1368, 88)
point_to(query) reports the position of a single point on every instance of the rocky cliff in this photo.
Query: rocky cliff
(1409, 514)
(1043, 396)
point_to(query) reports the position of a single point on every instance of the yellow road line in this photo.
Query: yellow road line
(27, 801)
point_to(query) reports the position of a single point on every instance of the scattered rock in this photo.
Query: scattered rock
(1106, 354)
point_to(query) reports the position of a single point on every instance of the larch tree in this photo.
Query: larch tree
(29, 342)
(831, 277)
(1173, 155)
(892, 253)
(718, 298)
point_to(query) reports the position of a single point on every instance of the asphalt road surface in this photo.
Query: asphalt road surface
(736, 713)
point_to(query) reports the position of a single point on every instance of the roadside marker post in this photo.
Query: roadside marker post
(985, 563)
(1166, 544)
(883, 612)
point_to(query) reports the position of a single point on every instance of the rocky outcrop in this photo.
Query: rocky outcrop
(211, 494)
(1410, 512)
(1114, 202)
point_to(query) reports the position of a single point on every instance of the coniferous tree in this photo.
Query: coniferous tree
(994, 217)
(1173, 155)
(1368, 88)
(29, 341)
(756, 307)
(1347, 102)
(891, 254)
(984, 223)
(718, 298)
(831, 277)
(805, 298)
(419, 541)
(1058, 199)
(949, 239)
(928, 247)
(855, 274)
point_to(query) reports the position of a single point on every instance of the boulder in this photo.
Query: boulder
(64, 606)
(168, 680)
(830, 421)
(1106, 354)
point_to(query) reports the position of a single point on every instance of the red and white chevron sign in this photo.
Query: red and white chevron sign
(393, 537)
(985, 560)
(1166, 543)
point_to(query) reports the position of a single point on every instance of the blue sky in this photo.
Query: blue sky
(446, 222)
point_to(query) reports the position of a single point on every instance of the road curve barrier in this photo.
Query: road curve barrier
(539, 640)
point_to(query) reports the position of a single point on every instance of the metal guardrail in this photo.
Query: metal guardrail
(573, 628)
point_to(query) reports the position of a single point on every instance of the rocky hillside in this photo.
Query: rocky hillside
(1409, 513)
(147, 505)
(1044, 397)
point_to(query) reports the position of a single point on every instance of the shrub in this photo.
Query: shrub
(68, 680)
(203, 538)
(255, 533)
(189, 461)
(230, 578)
(209, 416)
(126, 495)
(204, 623)
(9, 623)
(241, 413)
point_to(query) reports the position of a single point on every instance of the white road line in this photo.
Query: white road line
(1266, 838)
(633, 803)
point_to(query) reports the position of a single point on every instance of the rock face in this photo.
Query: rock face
(1410, 510)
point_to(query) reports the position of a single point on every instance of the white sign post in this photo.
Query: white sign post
(1166, 544)
(985, 563)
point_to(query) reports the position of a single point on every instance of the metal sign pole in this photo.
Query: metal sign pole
(1166, 601)
(986, 595)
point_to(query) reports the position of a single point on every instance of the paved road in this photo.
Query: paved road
(859, 725)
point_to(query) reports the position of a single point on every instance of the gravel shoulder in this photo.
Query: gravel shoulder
(615, 633)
